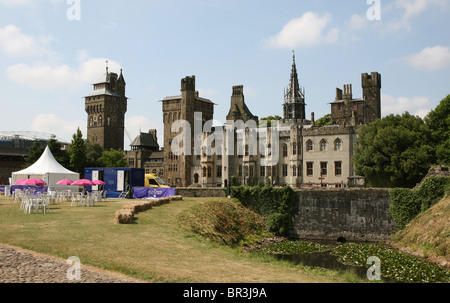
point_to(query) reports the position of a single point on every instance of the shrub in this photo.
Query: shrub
(408, 203)
(274, 204)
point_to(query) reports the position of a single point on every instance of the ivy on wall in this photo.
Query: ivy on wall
(274, 204)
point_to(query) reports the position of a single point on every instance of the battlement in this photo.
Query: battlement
(238, 90)
(188, 83)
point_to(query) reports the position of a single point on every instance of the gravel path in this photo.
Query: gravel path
(22, 266)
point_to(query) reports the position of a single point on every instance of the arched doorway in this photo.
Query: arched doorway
(196, 176)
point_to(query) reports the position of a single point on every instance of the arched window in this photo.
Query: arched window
(309, 145)
(204, 171)
(246, 150)
(323, 145)
(338, 144)
(100, 120)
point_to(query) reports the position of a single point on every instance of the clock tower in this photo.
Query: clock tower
(106, 106)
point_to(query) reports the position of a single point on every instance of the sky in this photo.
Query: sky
(52, 51)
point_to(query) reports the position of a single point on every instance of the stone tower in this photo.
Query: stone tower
(106, 106)
(371, 86)
(294, 97)
(178, 168)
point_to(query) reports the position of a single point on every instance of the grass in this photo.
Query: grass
(154, 249)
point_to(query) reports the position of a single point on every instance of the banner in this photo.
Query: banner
(153, 192)
(35, 189)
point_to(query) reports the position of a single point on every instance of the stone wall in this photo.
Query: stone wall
(350, 214)
(200, 192)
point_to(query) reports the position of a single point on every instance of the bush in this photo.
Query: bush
(274, 204)
(408, 203)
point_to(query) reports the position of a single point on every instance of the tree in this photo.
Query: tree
(269, 120)
(93, 152)
(60, 155)
(113, 158)
(34, 153)
(325, 120)
(395, 151)
(438, 120)
(78, 152)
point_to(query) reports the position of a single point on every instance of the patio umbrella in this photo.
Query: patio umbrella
(20, 182)
(65, 182)
(34, 181)
(98, 182)
(83, 182)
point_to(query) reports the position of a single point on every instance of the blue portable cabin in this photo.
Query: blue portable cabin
(117, 179)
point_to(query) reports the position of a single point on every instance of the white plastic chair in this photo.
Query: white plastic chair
(77, 199)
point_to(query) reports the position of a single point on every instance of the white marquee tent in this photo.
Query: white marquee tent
(47, 169)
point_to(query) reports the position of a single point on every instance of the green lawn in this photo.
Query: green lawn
(154, 249)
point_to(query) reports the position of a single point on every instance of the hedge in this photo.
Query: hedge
(408, 203)
(274, 204)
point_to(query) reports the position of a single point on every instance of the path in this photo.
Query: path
(21, 266)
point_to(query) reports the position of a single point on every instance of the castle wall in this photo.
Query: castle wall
(354, 214)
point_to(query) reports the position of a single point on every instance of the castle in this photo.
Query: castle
(292, 152)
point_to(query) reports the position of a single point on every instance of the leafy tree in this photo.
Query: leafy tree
(78, 152)
(269, 119)
(60, 155)
(438, 120)
(34, 153)
(93, 152)
(394, 151)
(325, 120)
(113, 158)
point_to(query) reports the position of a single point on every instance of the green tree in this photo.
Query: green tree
(93, 152)
(269, 120)
(60, 155)
(78, 152)
(113, 158)
(34, 153)
(325, 120)
(438, 120)
(394, 151)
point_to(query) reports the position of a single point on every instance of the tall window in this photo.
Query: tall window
(262, 171)
(209, 172)
(309, 145)
(294, 148)
(309, 168)
(338, 144)
(219, 171)
(252, 172)
(338, 168)
(323, 145)
(285, 150)
(204, 172)
(323, 168)
(285, 170)
(240, 171)
(294, 171)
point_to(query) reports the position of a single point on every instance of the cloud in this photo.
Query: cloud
(11, 3)
(48, 123)
(357, 22)
(419, 106)
(136, 124)
(409, 9)
(45, 76)
(308, 30)
(430, 58)
(14, 42)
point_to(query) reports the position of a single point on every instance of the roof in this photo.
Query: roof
(145, 140)
(101, 92)
(179, 97)
(45, 164)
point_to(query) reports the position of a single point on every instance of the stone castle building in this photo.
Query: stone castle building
(106, 106)
(302, 154)
(305, 155)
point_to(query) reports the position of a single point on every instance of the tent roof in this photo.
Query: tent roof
(45, 164)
